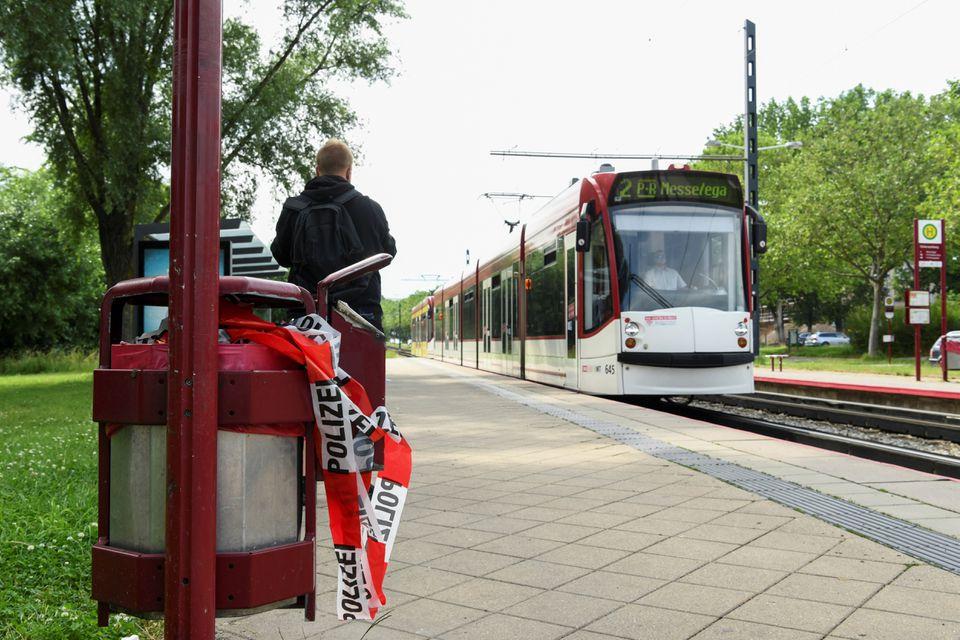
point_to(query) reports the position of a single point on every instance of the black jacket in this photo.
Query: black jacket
(362, 295)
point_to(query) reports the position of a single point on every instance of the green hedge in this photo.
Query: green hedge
(858, 328)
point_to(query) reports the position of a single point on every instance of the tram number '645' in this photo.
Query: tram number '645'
(606, 369)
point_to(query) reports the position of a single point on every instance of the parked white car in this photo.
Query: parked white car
(824, 338)
(935, 349)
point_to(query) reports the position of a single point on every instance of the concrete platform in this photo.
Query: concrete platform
(520, 524)
(930, 394)
(928, 383)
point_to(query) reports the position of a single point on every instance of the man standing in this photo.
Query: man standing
(330, 226)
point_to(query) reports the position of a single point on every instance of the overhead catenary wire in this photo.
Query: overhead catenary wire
(509, 195)
(874, 32)
(614, 156)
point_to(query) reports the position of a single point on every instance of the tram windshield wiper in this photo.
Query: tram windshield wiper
(650, 291)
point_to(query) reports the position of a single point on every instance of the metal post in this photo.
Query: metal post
(191, 533)
(943, 299)
(750, 158)
(890, 344)
(916, 286)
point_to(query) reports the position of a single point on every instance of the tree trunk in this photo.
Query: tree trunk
(873, 345)
(116, 246)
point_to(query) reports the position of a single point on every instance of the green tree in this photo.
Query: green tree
(858, 184)
(396, 314)
(943, 185)
(51, 275)
(95, 78)
(787, 269)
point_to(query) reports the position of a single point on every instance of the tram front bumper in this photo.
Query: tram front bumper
(679, 380)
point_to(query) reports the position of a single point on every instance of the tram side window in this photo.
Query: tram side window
(597, 298)
(469, 314)
(545, 307)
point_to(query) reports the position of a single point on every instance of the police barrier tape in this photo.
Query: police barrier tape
(364, 513)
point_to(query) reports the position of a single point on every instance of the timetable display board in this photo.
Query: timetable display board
(155, 261)
(677, 186)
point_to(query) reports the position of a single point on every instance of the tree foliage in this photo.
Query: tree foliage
(840, 210)
(51, 274)
(95, 78)
(396, 314)
(859, 184)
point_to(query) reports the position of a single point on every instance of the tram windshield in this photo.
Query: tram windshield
(679, 255)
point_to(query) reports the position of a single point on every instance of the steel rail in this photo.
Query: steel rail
(871, 450)
(923, 424)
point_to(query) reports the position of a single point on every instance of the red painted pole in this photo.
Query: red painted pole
(916, 286)
(943, 300)
(191, 534)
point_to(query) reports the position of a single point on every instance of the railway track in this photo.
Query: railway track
(899, 422)
(922, 424)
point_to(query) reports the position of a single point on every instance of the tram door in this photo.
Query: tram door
(506, 333)
(485, 319)
(447, 333)
(455, 327)
(570, 367)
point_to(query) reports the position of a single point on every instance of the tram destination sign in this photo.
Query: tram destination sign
(673, 186)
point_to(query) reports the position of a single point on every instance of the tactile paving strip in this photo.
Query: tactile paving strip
(915, 541)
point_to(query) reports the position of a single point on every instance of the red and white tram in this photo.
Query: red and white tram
(631, 283)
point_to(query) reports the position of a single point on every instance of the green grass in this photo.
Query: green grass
(839, 351)
(845, 359)
(48, 510)
(49, 362)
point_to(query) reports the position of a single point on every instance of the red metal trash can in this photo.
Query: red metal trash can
(266, 493)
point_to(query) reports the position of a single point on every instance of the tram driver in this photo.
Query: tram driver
(662, 277)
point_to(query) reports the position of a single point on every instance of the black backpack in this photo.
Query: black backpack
(324, 236)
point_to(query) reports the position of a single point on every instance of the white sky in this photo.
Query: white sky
(621, 76)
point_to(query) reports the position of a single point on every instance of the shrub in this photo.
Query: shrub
(858, 328)
(52, 277)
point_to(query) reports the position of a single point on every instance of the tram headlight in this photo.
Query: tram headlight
(741, 330)
(631, 329)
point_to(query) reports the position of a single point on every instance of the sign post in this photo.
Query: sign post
(888, 314)
(191, 531)
(929, 242)
(918, 314)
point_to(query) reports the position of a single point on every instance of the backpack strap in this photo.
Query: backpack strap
(346, 196)
(297, 203)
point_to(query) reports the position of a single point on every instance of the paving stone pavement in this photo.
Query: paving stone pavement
(521, 525)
